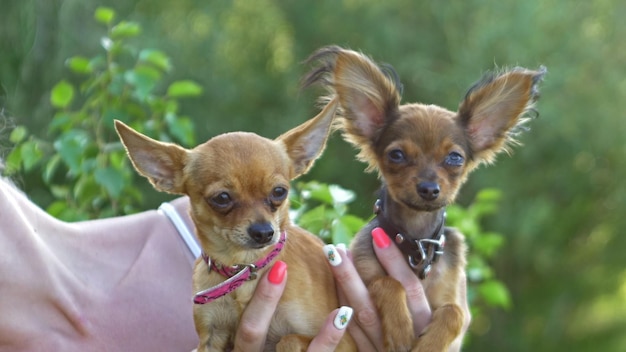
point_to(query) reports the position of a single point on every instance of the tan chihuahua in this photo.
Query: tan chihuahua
(423, 154)
(238, 185)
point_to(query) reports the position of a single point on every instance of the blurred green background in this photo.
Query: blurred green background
(564, 198)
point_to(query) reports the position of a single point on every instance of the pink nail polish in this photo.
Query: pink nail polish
(277, 272)
(381, 240)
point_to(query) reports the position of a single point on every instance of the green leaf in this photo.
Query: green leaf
(59, 191)
(117, 85)
(341, 233)
(353, 223)
(477, 269)
(314, 220)
(345, 227)
(340, 195)
(181, 128)
(495, 293)
(57, 208)
(144, 79)
(60, 121)
(97, 62)
(86, 189)
(487, 243)
(13, 161)
(184, 88)
(79, 64)
(71, 146)
(31, 154)
(62, 94)
(111, 179)
(107, 43)
(104, 15)
(18, 134)
(118, 158)
(62, 210)
(489, 195)
(125, 30)
(113, 113)
(156, 58)
(317, 191)
(171, 106)
(51, 167)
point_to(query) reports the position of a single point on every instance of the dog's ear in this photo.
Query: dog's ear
(305, 143)
(369, 96)
(495, 108)
(162, 163)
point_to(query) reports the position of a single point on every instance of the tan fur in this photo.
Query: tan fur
(248, 169)
(412, 145)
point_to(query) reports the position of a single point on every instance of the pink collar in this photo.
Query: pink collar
(236, 274)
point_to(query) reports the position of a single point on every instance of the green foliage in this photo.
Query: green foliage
(322, 209)
(484, 289)
(85, 166)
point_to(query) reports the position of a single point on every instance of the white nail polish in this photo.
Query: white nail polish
(341, 246)
(343, 317)
(331, 253)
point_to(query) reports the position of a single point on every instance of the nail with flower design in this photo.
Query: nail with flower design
(343, 317)
(332, 254)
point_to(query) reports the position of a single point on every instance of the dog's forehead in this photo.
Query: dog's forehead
(427, 124)
(239, 153)
(426, 113)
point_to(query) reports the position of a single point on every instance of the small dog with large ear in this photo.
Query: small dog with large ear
(423, 154)
(238, 185)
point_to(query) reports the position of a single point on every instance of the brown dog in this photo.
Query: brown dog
(238, 184)
(423, 154)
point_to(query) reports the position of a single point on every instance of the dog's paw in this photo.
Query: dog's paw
(390, 299)
(399, 339)
(445, 326)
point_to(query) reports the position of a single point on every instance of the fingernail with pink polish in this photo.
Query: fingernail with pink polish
(380, 238)
(343, 317)
(277, 272)
(331, 253)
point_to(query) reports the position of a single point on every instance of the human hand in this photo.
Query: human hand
(256, 318)
(367, 333)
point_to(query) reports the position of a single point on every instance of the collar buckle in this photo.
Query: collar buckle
(253, 271)
(421, 253)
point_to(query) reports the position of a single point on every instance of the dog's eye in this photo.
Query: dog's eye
(454, 159)
(221, 200)
(397, 156)
(278, 194)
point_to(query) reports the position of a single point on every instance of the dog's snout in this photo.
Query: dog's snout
(428, 190)
(261, 232)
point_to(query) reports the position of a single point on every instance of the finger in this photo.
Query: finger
(345, 250)
(392, 259)
(256, 318)
(358, 335)
(332, 331)
(355, 292)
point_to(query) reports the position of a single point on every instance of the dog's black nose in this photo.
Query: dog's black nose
(428, 190)
(261, 232)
